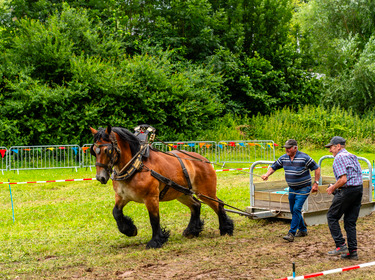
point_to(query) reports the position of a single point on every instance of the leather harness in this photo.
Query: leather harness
(169, 183)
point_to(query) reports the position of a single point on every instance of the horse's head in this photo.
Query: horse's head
(106, 151)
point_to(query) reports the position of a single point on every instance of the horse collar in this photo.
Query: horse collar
(135, 164)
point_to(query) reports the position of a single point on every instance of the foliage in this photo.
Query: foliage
(255, 86)
(177, 65)
(314, 125)
(339, 35)
(355, 87)
(226, 128)
(54, 89)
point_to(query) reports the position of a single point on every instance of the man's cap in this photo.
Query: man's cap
(336, 140)
(290, 143)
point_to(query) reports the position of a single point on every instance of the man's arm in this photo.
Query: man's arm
(339, 183)
(269, 172)
(317, 177)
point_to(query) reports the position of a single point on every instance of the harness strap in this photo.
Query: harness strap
(170, 183)
(102, 165)
(184, 170)
(163, 191)
(135, 164)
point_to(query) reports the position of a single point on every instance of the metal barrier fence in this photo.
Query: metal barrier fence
(43, 157)
(204, 148)
(245, 151)
(74, 156)
(87, 160)
(4, 154)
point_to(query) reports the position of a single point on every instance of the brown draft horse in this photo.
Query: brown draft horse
(114, 147)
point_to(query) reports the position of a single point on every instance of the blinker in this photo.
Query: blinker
(97, 151)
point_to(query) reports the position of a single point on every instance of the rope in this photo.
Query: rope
(312, 194)
(221, 202)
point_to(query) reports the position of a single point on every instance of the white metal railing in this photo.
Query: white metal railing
(245, 151)
(43, 157)
(74, 156)
(87, 160)
(204, 148)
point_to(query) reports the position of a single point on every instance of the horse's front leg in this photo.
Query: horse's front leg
(124, 223)
(159, 235)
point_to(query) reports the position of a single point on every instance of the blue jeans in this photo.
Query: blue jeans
(296, 200)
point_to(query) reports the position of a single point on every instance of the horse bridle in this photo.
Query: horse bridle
(110, 153)
(114, 154)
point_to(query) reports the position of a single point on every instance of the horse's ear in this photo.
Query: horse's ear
(93, 131)
(108, 130)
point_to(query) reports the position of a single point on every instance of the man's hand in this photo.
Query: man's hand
(268, 174)
(315, 187)
(330, 189)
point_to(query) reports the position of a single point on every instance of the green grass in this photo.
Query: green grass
(70, 225)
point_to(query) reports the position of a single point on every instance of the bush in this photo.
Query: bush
(314, 126)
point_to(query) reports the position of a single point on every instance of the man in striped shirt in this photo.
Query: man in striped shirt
(296, 166)
(347, 199)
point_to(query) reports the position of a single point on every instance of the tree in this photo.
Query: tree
(59, 77)
(339, 34)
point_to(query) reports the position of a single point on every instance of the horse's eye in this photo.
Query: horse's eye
(108, 151)
(97, 151)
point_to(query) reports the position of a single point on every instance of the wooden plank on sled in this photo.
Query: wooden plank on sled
(267, 196)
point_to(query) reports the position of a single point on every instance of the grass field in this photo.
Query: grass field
(66, 230)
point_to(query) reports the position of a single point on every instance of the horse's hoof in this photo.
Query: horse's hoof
(154, 245)
(130, 232)
(158, 241)
(135, 232)
(189, 234)
(227, 230)
(194, 230)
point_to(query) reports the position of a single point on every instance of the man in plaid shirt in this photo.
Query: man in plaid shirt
(347, 199)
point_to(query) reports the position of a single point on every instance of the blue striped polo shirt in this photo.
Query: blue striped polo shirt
(297, 173)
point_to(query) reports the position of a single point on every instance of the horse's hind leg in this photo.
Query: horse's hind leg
(124, 223)
(195, 225)
(226, 225)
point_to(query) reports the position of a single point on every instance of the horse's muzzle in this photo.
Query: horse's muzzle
(102, 178)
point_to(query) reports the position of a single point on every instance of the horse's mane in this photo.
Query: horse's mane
(124, 134)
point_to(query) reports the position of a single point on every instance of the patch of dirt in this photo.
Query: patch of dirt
(256, 251)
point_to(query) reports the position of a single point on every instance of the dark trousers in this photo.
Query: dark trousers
(347, 202)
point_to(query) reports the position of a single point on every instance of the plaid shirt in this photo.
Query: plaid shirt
(347, 164)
